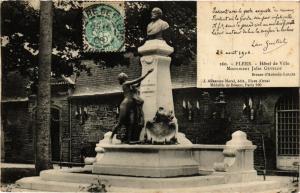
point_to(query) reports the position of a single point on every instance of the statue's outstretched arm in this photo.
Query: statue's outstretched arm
(137, 85)
(138, 80)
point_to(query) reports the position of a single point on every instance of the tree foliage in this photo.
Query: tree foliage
(20, 35)
(20, 28)
(181, 17)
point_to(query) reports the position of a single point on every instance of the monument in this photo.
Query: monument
(158, 160)
(161, 124)
(163, 162)
(155, 94)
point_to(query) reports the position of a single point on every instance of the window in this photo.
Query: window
(287, 126)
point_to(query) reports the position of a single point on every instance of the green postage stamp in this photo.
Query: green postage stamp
(103, 27)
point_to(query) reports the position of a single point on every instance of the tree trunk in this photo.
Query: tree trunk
(43, 137)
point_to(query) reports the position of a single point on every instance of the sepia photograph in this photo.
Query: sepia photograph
(150, 96)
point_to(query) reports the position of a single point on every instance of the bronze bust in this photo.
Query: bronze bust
(156, 28)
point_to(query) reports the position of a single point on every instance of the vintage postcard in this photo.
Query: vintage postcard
(150, 96)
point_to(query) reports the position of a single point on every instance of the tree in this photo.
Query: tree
(43, 146)
(20, 36)
(20, 25)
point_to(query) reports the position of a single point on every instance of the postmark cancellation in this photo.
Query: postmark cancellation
(103, 27)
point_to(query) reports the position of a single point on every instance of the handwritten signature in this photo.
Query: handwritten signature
(270, 45)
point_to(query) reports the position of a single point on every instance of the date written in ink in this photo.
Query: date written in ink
(238, 53)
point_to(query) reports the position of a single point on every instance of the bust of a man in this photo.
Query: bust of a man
(157, 26)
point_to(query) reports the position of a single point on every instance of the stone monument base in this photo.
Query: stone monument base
(162, 168)
(145, 160)
(240, 176)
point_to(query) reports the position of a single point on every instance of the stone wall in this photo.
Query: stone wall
(101, 118)
(18, 135)
(197, 122)
(63, 105)
(194, 110)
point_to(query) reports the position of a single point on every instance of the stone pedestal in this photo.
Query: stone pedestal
(146, 160)
(156, 89)
(238, 164)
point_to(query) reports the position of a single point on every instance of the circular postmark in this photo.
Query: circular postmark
(103, 28)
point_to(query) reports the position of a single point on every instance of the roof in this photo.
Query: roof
(62, 80)
(103, 80)
(17, 99)
(14, 86)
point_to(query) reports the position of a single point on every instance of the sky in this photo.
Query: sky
(35, 4)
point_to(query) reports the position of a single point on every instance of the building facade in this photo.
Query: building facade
(85, 108)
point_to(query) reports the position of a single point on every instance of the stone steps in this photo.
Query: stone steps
(36, 183)
(253, 187)
(69, 180)
(131, 182)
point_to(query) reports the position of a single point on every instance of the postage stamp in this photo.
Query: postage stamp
(103, 28)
